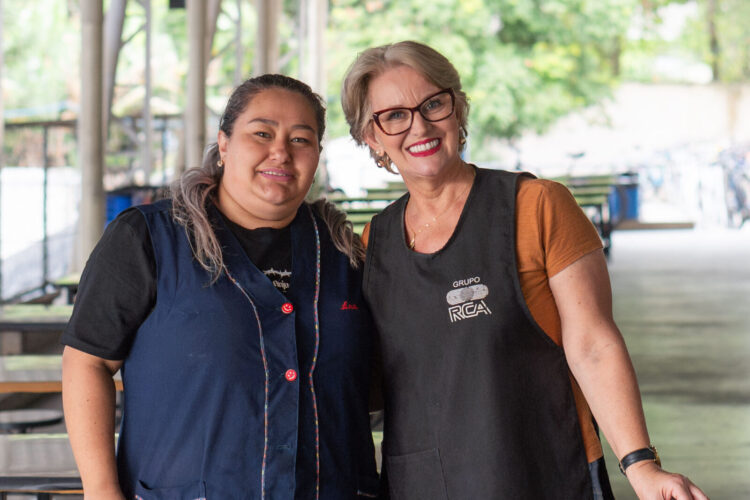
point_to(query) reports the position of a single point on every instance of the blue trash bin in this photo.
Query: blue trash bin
(624, 198)
(116, 203)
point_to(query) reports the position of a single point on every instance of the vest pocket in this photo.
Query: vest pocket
(416, 476)
(191, 491)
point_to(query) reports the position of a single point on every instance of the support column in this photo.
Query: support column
(148, 134)
(90, 139)
(239, 52)
(312, 62)
(213, 8)
(267, 42)
(2, 142)
(195, 106)
(315, 19)
(113, 23)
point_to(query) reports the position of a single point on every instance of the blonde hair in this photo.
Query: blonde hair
(373, 62)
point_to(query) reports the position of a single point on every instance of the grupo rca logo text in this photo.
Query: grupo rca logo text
(466, 300)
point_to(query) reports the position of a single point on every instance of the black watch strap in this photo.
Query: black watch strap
(649, 453)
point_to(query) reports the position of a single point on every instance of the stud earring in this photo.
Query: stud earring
(220, 163)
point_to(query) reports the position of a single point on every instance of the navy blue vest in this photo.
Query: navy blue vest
(478, 402)
(234, 391)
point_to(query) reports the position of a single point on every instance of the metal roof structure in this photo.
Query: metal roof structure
(101, 42)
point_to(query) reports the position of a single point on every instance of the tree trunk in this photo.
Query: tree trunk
(615, 56)
(714, 40)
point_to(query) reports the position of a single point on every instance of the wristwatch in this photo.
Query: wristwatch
(649, 453)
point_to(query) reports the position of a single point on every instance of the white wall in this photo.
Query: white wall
(640, 118)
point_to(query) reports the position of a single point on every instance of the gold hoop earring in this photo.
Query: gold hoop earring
(382, 160)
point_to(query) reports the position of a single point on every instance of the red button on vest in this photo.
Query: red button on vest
(287, 308)
(291, 375)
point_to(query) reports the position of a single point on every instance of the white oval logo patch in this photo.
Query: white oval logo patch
(465, 294)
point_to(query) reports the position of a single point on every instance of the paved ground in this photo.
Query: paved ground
(682, 301)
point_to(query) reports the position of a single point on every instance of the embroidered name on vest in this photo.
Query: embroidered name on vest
(347, 306)
(466, 299)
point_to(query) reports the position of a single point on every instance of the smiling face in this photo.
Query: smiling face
(269, 160)
(427, 149)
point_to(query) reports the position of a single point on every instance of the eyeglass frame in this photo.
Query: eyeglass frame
(417, 108)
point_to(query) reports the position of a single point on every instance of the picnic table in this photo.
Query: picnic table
(35, 373)
(69, 285)
(18, 319)
(591, 192)
(38, 464)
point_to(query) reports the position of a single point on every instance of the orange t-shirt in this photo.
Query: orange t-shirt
(552, 232)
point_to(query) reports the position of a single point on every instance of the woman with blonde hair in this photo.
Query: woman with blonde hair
(244, 376)
(490, 293)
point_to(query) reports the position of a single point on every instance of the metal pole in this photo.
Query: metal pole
(90, 139)
(302, 42)
(147, 128)
(195, 109)
(45, 204)
(317, 19)
(267, 46)
(114, 20)
(2, 145)
(320, 22)
(238, 52)
(164, 138)
(213, 9)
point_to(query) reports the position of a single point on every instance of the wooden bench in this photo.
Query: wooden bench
(19, 319)
(361, 209)
(35, 373)
(591, 192)
(68, 284)
(23, 420)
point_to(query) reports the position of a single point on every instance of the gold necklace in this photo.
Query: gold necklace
(435, 217)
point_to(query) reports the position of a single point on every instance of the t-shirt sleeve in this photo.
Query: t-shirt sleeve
(566, 231)
(117, 290)
(366, 235)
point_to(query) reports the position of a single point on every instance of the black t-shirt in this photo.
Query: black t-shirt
(117, 290)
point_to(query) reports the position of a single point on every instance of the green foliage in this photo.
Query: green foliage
(41, 44)
(524, 63)
(733, 32)
(692, 45)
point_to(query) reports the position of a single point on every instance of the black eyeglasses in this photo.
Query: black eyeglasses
(438, 106)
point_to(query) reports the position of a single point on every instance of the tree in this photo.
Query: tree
(41, 45)
(524, 63)
(716, 34)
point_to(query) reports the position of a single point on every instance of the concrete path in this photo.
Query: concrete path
(682, 302)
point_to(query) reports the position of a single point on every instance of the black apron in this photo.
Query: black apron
(478, 402)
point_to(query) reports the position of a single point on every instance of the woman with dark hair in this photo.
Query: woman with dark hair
(234, 314)
(490, 293)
